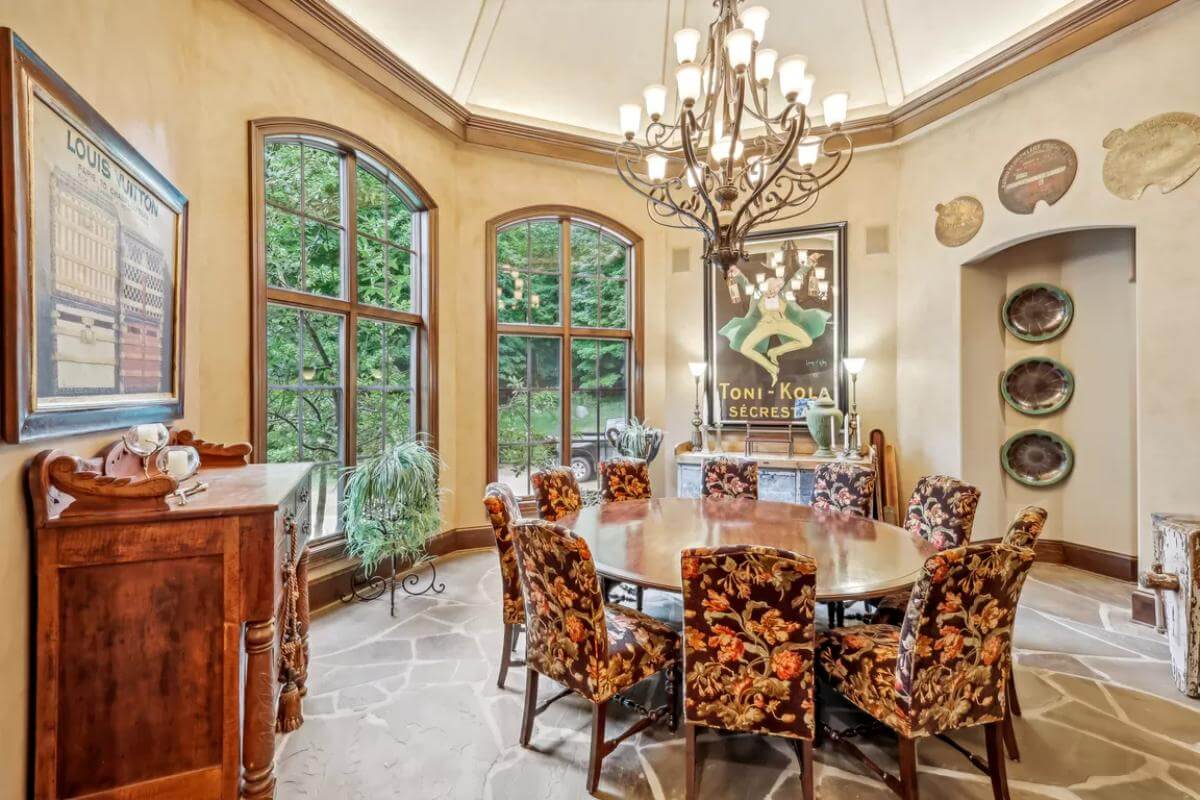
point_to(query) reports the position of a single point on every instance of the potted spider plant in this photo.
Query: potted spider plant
(392, 507)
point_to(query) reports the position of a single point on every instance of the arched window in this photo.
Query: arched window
(343, 303)
(564, 351)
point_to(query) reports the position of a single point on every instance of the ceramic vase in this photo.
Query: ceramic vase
(823, 418)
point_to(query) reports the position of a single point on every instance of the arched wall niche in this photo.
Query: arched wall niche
(1096, 506)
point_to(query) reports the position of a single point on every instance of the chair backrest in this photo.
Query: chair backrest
(843, 486)
(729, 477)
(503, 510)
(1026, 527)
(566, 638)
(942, 511)
(624, 479)
(748, 622)
(557, 492)
(955, 657)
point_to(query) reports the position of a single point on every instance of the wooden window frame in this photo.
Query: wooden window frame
(423, 317)
(564, 331)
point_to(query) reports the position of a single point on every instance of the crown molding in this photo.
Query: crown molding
(326, 31)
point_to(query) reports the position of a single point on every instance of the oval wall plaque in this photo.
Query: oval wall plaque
(1044, 170)
(1162, 151)
(958, 221)
(1037, 458)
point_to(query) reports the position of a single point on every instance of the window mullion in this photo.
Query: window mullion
(350, 281)
(565, 376)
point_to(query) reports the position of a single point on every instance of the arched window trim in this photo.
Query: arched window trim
(634, 334)
(423, 317)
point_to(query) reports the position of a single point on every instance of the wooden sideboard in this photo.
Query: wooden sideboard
(782, 478)
(157, 644)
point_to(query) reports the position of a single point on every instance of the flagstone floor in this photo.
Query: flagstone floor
(408, 708)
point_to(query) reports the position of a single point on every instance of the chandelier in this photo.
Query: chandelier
(728, 165)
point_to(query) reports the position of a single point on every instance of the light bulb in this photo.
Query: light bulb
(764, 64)
(791, 76)
(687, 78)
(755, 18)
(655, 96)
(835, 107)
(721, 149)
(631, 119)
(656, 167)
(806, 153)
(739, 44)
(854, 365)
(687, 41)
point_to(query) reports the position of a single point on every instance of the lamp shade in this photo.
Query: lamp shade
(631, 119)
(656, 167)
(697, 368)
(854, 365)
(755, 18)
(687, 42)
(687, 79)
(764, 64)
(835, 107)
(791, 76)
(807, 151)
(739, 44)
(655, 96)
(721, 149)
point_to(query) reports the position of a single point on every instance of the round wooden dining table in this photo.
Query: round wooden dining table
(638, 542)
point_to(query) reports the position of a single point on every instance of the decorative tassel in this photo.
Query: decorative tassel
(290, 715)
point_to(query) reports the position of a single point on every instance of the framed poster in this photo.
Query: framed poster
(782, 341)
(94, 254)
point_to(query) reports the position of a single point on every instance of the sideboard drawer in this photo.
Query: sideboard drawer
(688, 480)
(777, 484)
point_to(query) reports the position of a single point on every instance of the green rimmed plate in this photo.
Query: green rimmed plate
(1037, 458)
(1038, 312)
(1037, 385)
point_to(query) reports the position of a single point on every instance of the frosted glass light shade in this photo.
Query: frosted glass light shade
(835, 107)
(693, 176)
(656, 167)
(755, 18)
(755, 168)
(655, 96)
(631, 119)
(804, 96)
(854, 365)
(807, 151)
(698, 367)
(687, 42)
(739, 44)
(687, 79)
(791, 75)
(721, 148)
(764, 64)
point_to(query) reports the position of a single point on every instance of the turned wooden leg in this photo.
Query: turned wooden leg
(302, 618)
(641, 596)
(673, 680)
(531, 689)
(258, 724)
(995, 753)
(804, 753)
(1014, 705)
(599, 715)
(505, 654)
(908, 769)
(1010, 737)
(690, 767)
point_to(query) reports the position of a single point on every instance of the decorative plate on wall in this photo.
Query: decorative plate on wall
(958, 221)
(1038, 312)
(1037, 458)
(1037, 385)
(1044, 170)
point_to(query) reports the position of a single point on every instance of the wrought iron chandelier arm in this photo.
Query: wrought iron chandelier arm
(689, 153)
(778, 169)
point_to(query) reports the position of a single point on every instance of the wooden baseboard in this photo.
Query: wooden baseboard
(1092, 559)
(329, 583)
(1141, 607)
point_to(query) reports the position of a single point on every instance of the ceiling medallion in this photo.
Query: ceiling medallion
(1162, 151)
(725, 164)
(1044, 170)
(958, 221)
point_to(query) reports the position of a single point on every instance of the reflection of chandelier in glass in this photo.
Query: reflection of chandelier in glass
(794, 268)
(710, 172)
(518, 292)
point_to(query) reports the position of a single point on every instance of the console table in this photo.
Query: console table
(783, 478)
(157, 668)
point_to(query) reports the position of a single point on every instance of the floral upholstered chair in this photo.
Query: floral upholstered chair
(942, 512)
(729, 477)
(749, 639)
(503, 510)
(624, 479)
(557, 493)
(842, 486)
(572, 637)
(948, 665)
(1023, 531)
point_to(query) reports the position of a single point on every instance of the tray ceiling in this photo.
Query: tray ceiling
(568, 64)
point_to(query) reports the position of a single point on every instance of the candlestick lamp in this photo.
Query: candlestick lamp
(698, 368)
(852, 428)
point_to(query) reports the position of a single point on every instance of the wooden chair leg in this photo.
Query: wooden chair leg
(505, 655)
(1010, 737)
(995, 753)
(674, 681)
(641, 596)
(908, 769)
(690, 768)
(599, 715)
(531, 690)
(1014, 704)
(804, 751)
